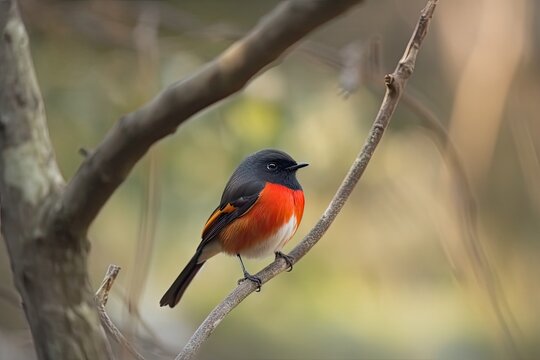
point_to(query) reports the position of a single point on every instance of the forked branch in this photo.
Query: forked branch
(101, 297)
(395, 83)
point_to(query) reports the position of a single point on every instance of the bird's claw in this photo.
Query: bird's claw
(253, 279)
(289, 260)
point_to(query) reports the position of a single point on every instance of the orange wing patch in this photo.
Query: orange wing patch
(227, 209)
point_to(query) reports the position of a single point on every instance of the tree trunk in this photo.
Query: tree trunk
(49, 265)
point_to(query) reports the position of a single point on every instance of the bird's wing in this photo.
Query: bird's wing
(235, 203)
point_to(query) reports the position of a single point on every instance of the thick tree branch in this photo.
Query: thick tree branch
(49, 266)
(44, 223)
(395, 83)
(107, 167)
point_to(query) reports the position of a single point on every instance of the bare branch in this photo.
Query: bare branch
(101, 297)
(102, 293)
(107, 167)
(362, 64)
(468, 218)
(395, 84)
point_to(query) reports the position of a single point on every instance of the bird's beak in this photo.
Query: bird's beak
(297, 166)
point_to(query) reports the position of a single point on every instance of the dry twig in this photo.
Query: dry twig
(395, 84)
(360, 65)
(101, 297)
(468, 214)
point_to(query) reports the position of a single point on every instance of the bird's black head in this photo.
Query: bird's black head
(273, 166)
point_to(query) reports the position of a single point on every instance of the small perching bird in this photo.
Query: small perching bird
(260, 210)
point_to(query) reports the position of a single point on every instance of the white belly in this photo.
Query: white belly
(273, 243)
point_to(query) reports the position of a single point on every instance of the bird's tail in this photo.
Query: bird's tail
(175, 292)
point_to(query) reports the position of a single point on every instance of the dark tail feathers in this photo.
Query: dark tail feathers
(175, 292)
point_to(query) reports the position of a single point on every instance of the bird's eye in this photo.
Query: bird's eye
(271, 166)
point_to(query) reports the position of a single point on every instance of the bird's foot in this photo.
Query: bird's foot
(289, 260)
(253, 279)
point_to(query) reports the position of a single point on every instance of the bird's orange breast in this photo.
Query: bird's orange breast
(273, 210)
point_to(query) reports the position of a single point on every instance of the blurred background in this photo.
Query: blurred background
(421, 263)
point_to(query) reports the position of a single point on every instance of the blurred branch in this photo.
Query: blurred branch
(395, 84)
(468, 214)
(101, 297)
(145, 37)
(360, 64)
(124, 145)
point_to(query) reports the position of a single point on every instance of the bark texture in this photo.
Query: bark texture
(44, 220)
(48, 263)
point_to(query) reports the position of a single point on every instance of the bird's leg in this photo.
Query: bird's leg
(289, 260)
(248, 276)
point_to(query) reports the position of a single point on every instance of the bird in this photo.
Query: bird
(259, 212)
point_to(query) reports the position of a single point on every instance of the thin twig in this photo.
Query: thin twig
(101, 297)
(362, 64)
(468, 215)
(102, 293)
(395, 84)
(145, 36)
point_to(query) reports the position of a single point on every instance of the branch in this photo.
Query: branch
(145, 37)
(468, 215)
(485, 274)
(360, 64)
(101, 297)
(395, 83)
(107, 167)
(102, 293)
